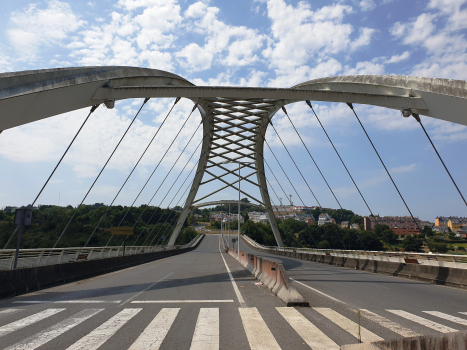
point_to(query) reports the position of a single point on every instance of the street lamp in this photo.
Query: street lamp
(239, 180)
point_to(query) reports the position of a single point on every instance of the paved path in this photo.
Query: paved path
(204, 299)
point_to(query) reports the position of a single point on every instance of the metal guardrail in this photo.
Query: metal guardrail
(51, 256)
(448, 260)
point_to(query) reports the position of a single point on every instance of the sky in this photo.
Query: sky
(270, 43)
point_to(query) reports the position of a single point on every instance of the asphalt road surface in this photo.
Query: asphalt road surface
(191, 301)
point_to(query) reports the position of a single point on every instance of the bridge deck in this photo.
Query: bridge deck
(159, 303)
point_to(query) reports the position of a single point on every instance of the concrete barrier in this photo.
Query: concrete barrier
(20, 281)
(442, 275)
(448, 341)
(273, 275)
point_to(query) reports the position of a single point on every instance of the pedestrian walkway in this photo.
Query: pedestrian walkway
(207, 332)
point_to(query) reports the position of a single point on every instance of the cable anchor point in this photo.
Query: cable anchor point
(309, 104)
(350, 105)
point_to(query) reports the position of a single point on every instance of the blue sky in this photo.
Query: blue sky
(273, 43)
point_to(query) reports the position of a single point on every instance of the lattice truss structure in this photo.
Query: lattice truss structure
(233, 137)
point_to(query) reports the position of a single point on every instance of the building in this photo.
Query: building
(367, 224)
(258, 216)
(345, 224)
(310, 221)
(401, 225)
(303, 208)
(324, 218)
(355, 226)
(442, 221)
(456, 224)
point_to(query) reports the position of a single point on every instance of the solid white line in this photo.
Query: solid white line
(348, 325)
(145, 289)
(319, 292)
(423, 321)
(237, 291)
(24, 322)
(101, 334)
(448, 317)
(393, 326)
(258, 334)
(316, 339)
(206, 336)
(84, 301)
(154, 334)
(179, 301)
(39, 339)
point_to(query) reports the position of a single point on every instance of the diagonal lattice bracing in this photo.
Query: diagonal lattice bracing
(236, 129)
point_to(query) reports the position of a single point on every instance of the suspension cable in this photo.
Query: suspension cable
(348, 172)
(285, 111)
(139, 160)
(110, 157)
(387, 171)
(173, 184)
(165, 178)
(169, 205)
(417, 117)
(93, 108)
(157, 166)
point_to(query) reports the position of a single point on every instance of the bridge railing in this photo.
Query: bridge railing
(50, 256)
(434, 259)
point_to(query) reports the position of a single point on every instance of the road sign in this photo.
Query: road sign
(122, 231)
(234, 240)
(23, 217)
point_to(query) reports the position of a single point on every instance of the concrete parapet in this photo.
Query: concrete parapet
(442, 275)
(273, 275)
(448, 341)
(20, 281)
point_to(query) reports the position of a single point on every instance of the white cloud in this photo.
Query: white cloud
(403, 169)
(398, 58)
(363, 68)
(34, 28)
(363, 40)
(195, 57)
(367, 5)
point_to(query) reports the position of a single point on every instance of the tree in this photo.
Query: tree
(412, 243)
(245, 200)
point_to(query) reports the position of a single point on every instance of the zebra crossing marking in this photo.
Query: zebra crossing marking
(101, 334)
(8, 312)
(180, 301)
(84, 301)
(206, 335)
(155, 333)
(39, 339)
(316, 339)
(24, 322)
(348, 325)
(454, 319)
(393, 326)
(258, 334)
(423, 321)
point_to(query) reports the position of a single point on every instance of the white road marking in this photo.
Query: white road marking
(348, 325)
(145, 289)
(154, 334)
(448, 317)
(24, 322)
(83, 301)
(39, 339)
(316, 339)
(319, 292)
(423, 321)
(101, 334)
(8, 312)
(237, 291)
(393, 326)
(464, 313)
(206, 336)
(180, 301)
(258, 334)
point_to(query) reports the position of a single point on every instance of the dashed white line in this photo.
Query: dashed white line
(101, 334)
(24, 322)
(154, 334)
(316, 339)
(39, 339)
(258, 334)
(206, 336)
(423, 321)
(348, 325)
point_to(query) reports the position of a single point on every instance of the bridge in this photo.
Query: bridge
(198, 296)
